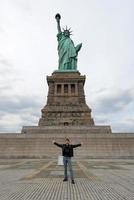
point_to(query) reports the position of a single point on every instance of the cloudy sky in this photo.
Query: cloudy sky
(28, 53)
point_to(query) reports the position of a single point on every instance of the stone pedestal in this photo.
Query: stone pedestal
(66, 114)
(66, 105)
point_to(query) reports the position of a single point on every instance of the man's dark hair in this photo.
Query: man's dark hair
(67, 139)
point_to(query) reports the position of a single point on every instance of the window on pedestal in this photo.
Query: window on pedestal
(58, 88)
(66, 88)
(72, 88)
(66, 123)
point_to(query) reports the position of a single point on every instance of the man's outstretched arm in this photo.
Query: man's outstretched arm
(57, 144)
(77, 145)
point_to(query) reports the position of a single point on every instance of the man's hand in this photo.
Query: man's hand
(53, 141)
(81, 143)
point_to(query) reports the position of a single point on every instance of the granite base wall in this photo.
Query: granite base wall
(115, 145)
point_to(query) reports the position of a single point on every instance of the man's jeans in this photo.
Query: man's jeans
(67, 162)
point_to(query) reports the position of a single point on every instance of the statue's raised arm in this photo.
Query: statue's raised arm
(58, 17)
(67, 51)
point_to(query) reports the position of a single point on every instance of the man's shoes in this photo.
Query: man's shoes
(65, 179)
(73, 182)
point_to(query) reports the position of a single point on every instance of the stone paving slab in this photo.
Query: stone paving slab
(42, 180)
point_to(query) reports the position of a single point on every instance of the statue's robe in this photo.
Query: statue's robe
(67, 53)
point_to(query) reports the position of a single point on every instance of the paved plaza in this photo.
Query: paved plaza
(40, 179)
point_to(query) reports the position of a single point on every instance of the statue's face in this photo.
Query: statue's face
(66, 33)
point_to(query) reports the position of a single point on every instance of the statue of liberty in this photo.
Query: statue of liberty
(66, 50)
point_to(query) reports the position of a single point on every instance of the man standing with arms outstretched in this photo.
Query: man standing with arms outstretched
(67, 153)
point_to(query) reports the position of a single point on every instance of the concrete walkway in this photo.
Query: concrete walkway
(42, 180)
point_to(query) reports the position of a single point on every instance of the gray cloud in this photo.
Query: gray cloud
(17, 111)
(5, 65)
(123, 126)
(114, 107)
(115, 101)
(4, 62)
(18, 103)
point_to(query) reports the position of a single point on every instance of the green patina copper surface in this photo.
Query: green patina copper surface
(66, 50)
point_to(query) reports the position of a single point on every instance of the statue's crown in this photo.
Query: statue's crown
(67, 30)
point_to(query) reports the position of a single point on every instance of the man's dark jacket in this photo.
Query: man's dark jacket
(67, 149)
